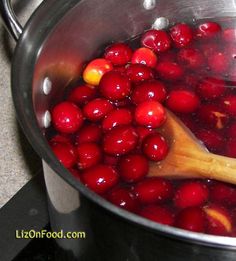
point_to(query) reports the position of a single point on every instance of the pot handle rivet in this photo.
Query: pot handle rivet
(47, 86)
(47, 119)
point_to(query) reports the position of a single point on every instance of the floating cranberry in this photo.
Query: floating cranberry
(181, 35)
(89, 133)
(157, 40)
(144, 56)
(117, 117)
(230, 148)
(211, 88)
(155, 147)
(123, 198)
(97, 109)
(229, 35)
(153, 190)
(191, 194)
(120, 140)
(67, 117)
(170, 71)
(183, 101)
(115, 86)
(218, 62)
(150, 90)
(139, 72)
(65, 153)
(133, 167)
(159, 214)
(192, 219)
(82, 94)
(191, 58)
(118, 53)
(89, 154)
(150, 114)
(100, 178)
(208, 30)
(229, 104)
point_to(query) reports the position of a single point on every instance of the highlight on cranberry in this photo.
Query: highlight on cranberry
(106, 130)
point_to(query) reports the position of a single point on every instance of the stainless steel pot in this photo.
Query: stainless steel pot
(60, 36)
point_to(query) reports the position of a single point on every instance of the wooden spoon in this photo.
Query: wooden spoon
(188, 157)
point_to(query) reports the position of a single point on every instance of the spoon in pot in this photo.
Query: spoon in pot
(188, 158)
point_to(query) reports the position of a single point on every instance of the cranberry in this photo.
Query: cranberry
(212, 116)
(89, 154)
(211, 88)
(123, 198)
(191, 194)
(100, 178)
(229, 35)
(230, 148)
(115, 86)
(152, 190)
(159, 214)
(192, 219)
(88, 133)
(65, 153)
(181, 34)
(117, 117)
(118, 53)
(183, 101)
(191, 58)
(157, 40)
(150, 90)
(218, 62)
(120, 140)
(229, 104)
(150, 114)
(170, 71)
(155, 147)
(208, 30)
(144, 56)
(67, 117)
(139, 72)
(82, 94)
(97, 109)
(212, 139)
(133, 167)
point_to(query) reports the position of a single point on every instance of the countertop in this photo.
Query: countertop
(18, 161)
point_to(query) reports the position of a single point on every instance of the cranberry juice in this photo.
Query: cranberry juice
(105, 131)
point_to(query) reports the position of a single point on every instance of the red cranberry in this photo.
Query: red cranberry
(118, 53)
(152, 190)
(139, 72)
(100, 178)
(97, 109)
(65, 153)
(212, 139)
(218, 62)
(170, 71)
(192, 219)
(159, 214)
(150, 90)
(115, 86)
(212, 116)
(230, 148)
(231, 131)
(155, 147)
(229, 35)
(150, 114)
(181, 34)
(208, 30)
(229, 104)
(211, 88)
(157, 40)
(183, 101)
(133, 167)
(120, 140)
(123, 198)
(144, 56)
(116, 118)
(89, 133)
(67, 117)
(89, 154)
(82, 94)
(191, 194)
(191, 58)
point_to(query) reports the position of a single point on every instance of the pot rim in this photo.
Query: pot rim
(22, 68)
